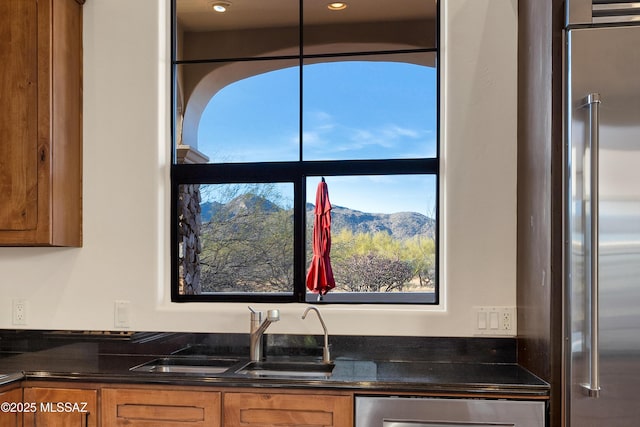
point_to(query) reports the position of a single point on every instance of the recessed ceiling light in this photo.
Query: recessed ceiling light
(220, 6)
(337, 6)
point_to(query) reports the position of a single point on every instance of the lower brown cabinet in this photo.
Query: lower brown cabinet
(145, 405)
(11, 416)
(159, 407)
(56, 407)
(276, 409)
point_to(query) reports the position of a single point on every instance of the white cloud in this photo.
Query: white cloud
(324, 133)
(394, 131)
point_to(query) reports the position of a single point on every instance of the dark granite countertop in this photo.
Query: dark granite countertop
(449, 366)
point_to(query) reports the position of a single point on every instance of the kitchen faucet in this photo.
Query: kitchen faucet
(257, 331)
(325, 353)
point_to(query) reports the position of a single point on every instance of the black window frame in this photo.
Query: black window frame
(296, 173)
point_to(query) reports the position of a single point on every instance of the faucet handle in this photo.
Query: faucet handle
(273, 315)
(255, 315)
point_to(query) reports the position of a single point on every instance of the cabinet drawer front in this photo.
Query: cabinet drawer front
(301, 410)
(285, 417)
(168, 408)
(164, 413)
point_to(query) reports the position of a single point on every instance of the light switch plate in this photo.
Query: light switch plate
(122, 314)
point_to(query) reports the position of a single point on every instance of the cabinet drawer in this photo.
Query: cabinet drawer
(270, 409)
(159, 407)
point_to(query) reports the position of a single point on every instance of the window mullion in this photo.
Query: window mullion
(300, 198)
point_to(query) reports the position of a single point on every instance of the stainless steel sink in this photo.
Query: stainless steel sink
(7, 378)
(187, 365)
(287, 369)
(199, 365)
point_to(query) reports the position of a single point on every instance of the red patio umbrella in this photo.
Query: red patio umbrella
(320, 275)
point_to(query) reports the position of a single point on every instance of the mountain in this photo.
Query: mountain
(401, 225)
(240, 204)
(209, 209)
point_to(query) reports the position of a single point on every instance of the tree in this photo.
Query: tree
(419, 251)
(248, 244)
(373, 273)
(378, 262)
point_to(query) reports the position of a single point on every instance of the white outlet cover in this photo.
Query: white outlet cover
(19, 312)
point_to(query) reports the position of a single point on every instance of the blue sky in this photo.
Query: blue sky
(352, 110)
(380, 194)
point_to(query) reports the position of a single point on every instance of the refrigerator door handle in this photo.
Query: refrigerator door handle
(592, 102)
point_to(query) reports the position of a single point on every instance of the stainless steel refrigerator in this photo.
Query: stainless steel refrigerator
(602, 214)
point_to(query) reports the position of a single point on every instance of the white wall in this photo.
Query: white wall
(126, 193)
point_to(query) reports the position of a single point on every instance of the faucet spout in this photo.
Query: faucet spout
(258, 327)
(326, 358)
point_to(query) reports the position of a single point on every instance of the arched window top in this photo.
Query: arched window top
(351, 109)
(215, 50)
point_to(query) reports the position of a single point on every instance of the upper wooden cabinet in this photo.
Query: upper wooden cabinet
(41, 122)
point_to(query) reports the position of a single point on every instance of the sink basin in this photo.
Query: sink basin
(7, 378)
(199, 365)
(186, 365)
(287, 369)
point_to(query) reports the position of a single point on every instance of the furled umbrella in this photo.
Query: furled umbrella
(320, 275)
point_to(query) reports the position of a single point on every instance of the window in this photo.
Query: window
(270, 99)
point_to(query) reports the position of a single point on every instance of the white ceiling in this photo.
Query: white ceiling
(197, 15)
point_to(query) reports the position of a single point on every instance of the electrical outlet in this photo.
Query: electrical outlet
(19, 312)
(506, 322)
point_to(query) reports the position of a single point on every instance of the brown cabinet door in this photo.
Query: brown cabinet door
(11, 416)
(160, 407)
(281, 410)
(18, 114)
(40, 122)
(57, 407)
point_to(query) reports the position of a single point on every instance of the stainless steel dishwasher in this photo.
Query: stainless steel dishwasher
(438, 412)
